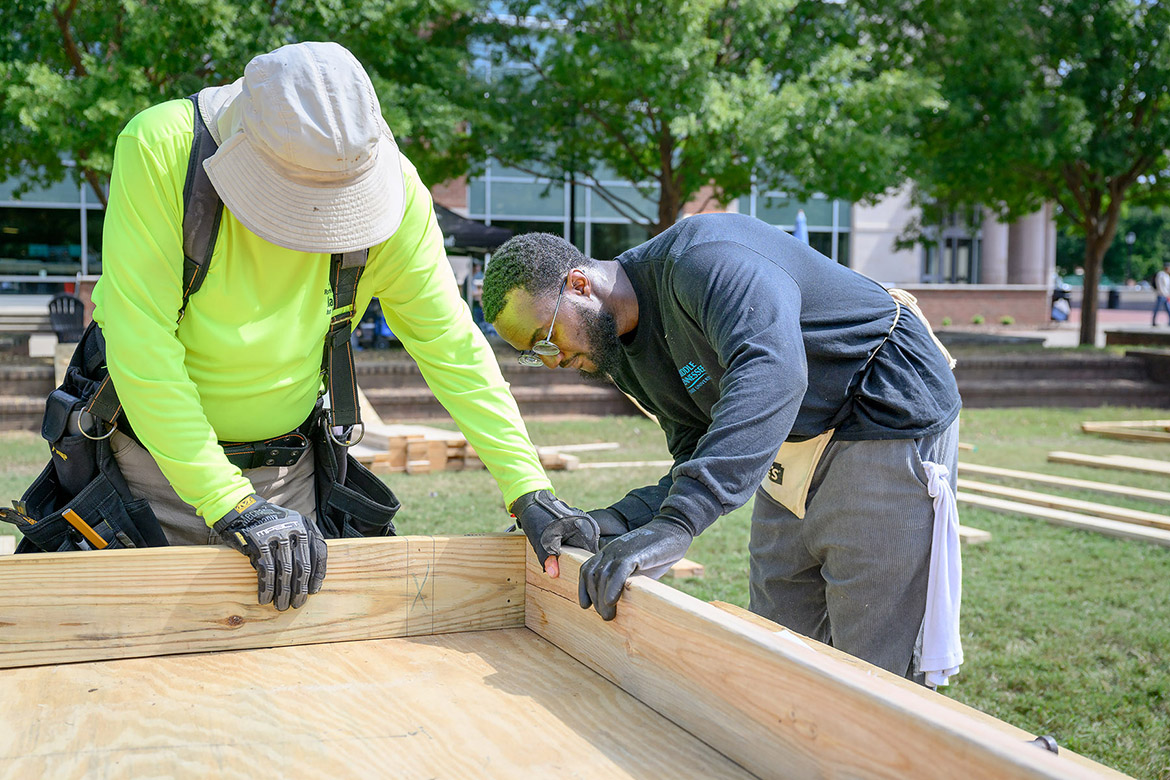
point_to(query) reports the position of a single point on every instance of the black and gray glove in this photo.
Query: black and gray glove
(649, 550)
(610, 524)
(550, 523)
(285, 548)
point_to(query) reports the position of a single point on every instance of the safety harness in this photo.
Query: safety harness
(81, 501)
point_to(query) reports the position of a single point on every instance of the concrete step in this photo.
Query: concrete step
(1060, 392)
(1043, 365)
(557, 400)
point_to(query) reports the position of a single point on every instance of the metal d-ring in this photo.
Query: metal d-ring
(85, 433)
(350, 442)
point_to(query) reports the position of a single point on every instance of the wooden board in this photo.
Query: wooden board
(1099, 525)
(902, 683)
(491, 704)
(64, 607)
(1133, 434)
(1059, 502)
(777, 708)
(969, 535)
(1112, 488)
(1120, 462)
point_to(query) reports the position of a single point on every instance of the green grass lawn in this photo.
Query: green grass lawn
(1065, 632)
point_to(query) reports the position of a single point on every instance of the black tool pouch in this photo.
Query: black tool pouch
(80, 500)
(351, 501)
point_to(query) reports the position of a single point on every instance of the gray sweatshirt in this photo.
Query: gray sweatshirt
(747, 337)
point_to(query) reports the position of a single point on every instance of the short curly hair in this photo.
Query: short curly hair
(536, 262)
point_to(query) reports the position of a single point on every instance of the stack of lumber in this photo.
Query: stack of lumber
(420, 449)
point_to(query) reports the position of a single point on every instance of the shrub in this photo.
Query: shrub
(1007, 319)
(977, 319)
(946, 321)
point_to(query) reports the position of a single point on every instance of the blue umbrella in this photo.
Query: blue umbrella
(801, 231)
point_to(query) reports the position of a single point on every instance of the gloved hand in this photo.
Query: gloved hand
(285, 548)
(610, 524)
(649, 550)
(549, 523)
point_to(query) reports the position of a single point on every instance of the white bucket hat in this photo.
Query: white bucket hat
(306, 160)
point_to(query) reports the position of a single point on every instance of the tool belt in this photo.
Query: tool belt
(80, 500)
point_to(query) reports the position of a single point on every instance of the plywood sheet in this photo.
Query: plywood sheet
(496, 704)
(66, 607)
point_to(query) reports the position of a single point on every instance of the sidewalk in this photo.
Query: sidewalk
(1133, 316)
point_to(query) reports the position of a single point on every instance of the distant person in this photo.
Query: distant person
(1162, 289)
(776, 372)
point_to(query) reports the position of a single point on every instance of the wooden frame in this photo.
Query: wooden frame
(776, 706)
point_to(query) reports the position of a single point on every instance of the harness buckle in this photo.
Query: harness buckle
(86, 434)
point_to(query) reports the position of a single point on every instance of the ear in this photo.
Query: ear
(579, 283)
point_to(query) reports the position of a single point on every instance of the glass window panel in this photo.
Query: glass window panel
(843, 249)
(963, 261)
(40, 241)
(609, 241)
(94, 223)
(777, 209)
(844, 213)
(519, 227)
(527, 200)
(501, 170)
(745, 205)
(61, 192)
(822, 242)
(476, 194)
(627, 194)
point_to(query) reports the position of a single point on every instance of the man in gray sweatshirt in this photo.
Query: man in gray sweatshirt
(741, 339)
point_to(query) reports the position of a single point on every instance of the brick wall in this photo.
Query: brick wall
(1027, 305)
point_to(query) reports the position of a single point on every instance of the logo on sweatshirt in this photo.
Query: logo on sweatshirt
(693, 377)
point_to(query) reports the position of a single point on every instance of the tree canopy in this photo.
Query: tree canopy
(72, 74)
(1059, 100)
(680, 95)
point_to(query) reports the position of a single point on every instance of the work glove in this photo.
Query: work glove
(550, 523)
(650, 550)
(285, 548)
(610, 524)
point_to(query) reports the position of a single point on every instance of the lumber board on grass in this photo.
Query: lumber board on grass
(1156, 496)
(1100, 525)
(1089, 425)
(686, 568)
(81, 606)
(1059, 502)
(1119, 462)
(969, 535)
(775, 707)
(1132, 434)
(902, 683)
(585, 447)
(627, 464)
(453, 706)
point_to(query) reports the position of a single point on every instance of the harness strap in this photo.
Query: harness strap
(344, 271)
(202, 212)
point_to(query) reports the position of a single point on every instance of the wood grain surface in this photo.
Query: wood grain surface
(67, 607)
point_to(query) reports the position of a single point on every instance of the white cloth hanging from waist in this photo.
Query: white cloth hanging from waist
(942, 648)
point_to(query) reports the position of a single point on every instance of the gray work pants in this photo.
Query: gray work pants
(853, 572)
(292, 487)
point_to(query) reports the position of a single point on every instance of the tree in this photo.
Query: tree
(1058, 100)
(676, 96)
(72, 74)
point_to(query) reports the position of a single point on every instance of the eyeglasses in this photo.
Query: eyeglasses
(545, 347)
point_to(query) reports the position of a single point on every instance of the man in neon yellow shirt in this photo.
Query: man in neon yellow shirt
(306, 167)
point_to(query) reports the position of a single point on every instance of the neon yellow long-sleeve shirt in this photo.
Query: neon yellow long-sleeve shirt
(244, 364)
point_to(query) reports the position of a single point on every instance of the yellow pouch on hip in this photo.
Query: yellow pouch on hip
(790, 476)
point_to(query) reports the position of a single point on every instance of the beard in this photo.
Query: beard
(605, 349)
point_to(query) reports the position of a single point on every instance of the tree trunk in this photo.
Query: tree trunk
(1094, 258)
